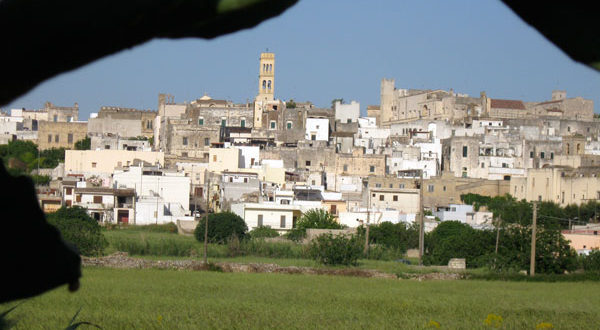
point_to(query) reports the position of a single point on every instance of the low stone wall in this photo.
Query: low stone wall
(313, 233)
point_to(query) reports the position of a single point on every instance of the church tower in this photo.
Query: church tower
(266, 86)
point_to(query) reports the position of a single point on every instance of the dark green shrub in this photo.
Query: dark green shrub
(335, 250)
(77, 227)
(296, 235)
(263, 232)
(221, 226)
(591, 262)
(398, 236)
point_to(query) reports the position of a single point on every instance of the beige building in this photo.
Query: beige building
(60, 134)
(403, 200)
(223, 159)
(105, 161)
(359, 164)
(560, 184)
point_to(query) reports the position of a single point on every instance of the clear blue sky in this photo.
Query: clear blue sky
(337, 49)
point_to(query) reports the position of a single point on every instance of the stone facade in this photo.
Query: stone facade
(60, 134)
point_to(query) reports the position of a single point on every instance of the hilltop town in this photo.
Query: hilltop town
(414, 155)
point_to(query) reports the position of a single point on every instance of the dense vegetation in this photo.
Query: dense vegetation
(263, 232)
(77, 227)
(221, 227)
(21, 157)
(331, 249)
(399, 236)
(84, 144)
(314, 219)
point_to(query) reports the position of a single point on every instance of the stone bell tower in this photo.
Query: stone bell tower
(266, 86)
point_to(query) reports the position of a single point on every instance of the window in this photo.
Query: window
(482, 165)
(348, 120)
(345, 167)
(391, 185)
(465, 150)
(313, 137)
(243, 123)
(245, 180)
(372, 168)
(149, 124)
(378, 185)
(185, 141)
(551, 155)
(395, 198)
(401, 186)
(55, 118)
(289, 125)
(430, 188)
(260, 220)
(68, 203)
(282, 221)
(272, 124)
(542, 155)
(94, 164)
(106, 146)
(504, 165)
(56, 138)
(98, 199)
(184, 154)
(444, 188)
(200, 121)
(381, 197)
(78, 198)
(206, 141)
(49, 138)
(223, 122)
(69, 119)
(307, 163)
(531, 154)
(69, 191)
(214, 158)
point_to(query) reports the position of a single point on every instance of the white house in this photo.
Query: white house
(277, 216)
(317, 129)
(161, 194)
(249, 156)
(347, 113)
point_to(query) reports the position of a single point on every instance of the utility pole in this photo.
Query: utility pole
(533, 229)
(498, 232)
(421, 221)
(206, 219)
(367, 226)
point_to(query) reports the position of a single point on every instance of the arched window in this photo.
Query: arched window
(264, 84)
(270, 67)
(269, 85)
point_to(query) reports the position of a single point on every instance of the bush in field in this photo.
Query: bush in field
(315, 219)
(398, 236)
(77, 227)
(335, 250)
(591, 262)
(453, 239)
(263, 232)
(221, 226)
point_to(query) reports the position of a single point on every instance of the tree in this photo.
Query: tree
(334, 101)
(291, 104)
(221, 227)
(50, 158)
(77, 227)
(393, 235)
(84, 144)
(315, 219)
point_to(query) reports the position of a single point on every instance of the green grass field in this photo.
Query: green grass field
(165, 299)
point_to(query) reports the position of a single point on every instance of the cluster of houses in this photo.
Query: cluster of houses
(271, 160)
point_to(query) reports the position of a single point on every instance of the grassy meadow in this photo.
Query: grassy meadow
(168, 299)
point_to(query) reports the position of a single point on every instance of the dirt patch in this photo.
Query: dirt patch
(124, 261)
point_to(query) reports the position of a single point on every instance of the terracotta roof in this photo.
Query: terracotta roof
(508, 104)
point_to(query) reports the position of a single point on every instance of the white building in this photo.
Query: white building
(280, 217)
(249, 156)
(163, 196)
(347, 113)
(317, 129)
